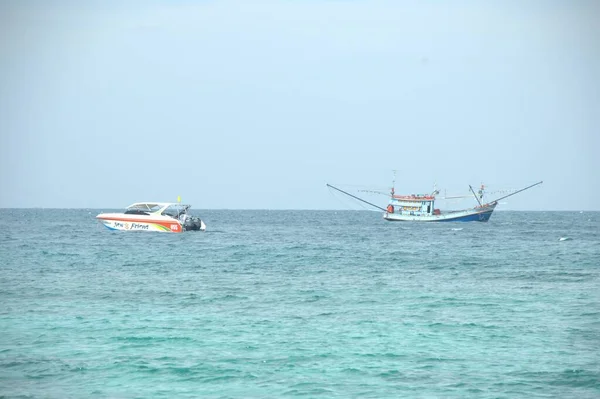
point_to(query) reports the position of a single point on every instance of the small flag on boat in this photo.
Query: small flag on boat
(179, 198)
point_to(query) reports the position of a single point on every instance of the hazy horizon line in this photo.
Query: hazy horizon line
(298, 209)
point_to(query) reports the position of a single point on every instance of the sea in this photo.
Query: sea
(312, 304)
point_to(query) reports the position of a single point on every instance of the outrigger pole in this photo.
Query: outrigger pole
(516, 192)
(355, 197)
(475, 195)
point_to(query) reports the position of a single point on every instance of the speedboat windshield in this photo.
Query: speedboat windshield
(163, 208)
(175, 210)
(146, 207)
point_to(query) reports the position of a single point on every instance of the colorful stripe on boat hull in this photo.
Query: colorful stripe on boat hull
(127, 225)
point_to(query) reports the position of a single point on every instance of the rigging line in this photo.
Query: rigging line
(374, 192)
(523, 189)
(355, 197)
(345, 201)
(348, 202)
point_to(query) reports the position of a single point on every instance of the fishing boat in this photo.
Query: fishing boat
(421, 207)
(153, 216)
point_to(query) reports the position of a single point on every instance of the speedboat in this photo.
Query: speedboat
(153, 216)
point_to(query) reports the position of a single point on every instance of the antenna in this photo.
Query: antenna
(481, 191)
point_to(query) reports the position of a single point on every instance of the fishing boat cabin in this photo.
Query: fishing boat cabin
(412, 205)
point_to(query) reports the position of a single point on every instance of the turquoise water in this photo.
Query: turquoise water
(285, 304)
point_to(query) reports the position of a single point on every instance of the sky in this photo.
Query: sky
(258, 105)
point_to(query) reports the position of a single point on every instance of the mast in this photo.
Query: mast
(516, 192)
(355, 197)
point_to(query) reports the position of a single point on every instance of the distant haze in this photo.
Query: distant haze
(260, 104)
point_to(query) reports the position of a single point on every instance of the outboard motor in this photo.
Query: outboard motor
(193, 223)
